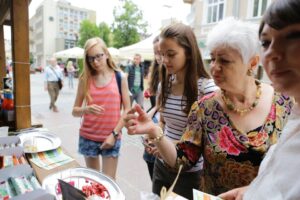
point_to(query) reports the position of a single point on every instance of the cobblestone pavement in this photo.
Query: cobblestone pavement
(132, 175)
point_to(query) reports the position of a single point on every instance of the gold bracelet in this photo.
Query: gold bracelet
(159, 137)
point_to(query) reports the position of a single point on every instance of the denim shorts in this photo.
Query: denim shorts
(91, 148)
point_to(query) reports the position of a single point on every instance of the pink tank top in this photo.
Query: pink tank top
(98, 127)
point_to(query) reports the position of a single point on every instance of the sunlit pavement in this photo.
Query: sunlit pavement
(132, 174)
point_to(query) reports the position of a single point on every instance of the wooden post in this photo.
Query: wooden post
(2, 57)
(21, 65)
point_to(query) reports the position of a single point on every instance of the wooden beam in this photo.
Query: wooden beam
(21, 65)
(2, 57)
(4, 10)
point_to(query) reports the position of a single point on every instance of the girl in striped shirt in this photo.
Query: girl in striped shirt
(99, 100)
(184, 81)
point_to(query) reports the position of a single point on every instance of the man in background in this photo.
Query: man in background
(135, 73)
(52, 75)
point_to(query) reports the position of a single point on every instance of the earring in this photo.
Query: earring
(250, 72)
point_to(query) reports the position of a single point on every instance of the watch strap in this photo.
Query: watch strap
(115, 134)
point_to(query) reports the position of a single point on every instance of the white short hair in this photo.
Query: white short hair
(241, 36)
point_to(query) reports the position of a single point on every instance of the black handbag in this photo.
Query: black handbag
(60, 83)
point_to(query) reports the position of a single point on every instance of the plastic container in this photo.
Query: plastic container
(4, 131)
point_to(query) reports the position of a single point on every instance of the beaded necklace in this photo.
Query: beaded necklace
(241, 111)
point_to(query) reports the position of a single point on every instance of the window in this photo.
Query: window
(258, 7)
(215, 10)
(69, 43)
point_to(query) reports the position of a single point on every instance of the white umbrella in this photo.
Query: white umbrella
(114, 52)
(144, 47)
(75, 52)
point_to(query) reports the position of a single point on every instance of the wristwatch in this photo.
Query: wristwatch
(115, 134)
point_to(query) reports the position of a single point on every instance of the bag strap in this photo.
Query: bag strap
(119, 81)
(55, 73)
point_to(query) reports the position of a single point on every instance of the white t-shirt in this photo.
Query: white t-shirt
(278, 177)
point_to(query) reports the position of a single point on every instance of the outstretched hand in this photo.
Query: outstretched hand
(138, 122)
(235, 194)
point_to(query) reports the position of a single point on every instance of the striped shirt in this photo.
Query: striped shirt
(99, 127)
(176, 119)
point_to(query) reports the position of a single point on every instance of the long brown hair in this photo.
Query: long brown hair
(88, 71)
(154, 72)
(185, 37)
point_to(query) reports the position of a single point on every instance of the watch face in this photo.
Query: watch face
(115, 134)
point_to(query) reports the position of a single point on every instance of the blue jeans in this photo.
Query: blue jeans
(138, 97)
(71, 78)
(91, 148)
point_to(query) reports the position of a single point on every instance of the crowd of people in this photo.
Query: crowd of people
(234, 135)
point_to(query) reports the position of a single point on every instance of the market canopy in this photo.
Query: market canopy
(144, 47)
(115, 53)
(75, 52)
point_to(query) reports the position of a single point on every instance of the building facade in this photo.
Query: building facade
(205, 14)
(55, 27)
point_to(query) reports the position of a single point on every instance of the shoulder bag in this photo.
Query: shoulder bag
(60, 84)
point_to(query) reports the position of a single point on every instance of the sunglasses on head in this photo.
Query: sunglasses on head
(97, 57)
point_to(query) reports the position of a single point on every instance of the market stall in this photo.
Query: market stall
(144, 47)
(14, 13)
(34, 165)
(75, 52)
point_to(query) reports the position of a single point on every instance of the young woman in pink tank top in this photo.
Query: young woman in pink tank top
(99, 102)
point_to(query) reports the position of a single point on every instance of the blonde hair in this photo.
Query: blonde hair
(69, 64)
(88, 72)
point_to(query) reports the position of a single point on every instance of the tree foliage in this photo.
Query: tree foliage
(128, 24)
(87, 30)
(105, 33)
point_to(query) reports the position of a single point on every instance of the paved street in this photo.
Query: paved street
(132, 175)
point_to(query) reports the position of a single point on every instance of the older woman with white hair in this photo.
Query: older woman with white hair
(233, 127)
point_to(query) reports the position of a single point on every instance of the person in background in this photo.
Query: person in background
(150, 92)
(135, 74)
(232, 128)
(52, 75)
(183, 81)
(99, 101)
(71, 72)
(278, 176)
(152, 111)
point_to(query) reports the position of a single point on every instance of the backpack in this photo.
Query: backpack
(119, 82)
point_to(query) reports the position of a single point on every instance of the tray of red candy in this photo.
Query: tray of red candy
(93, 184)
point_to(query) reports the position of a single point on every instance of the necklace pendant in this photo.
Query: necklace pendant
(230, 107)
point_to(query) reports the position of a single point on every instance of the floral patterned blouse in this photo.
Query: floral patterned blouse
(231, 158)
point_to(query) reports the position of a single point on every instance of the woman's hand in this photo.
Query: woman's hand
(150, 148)
(109, 142)
(138, 122)
(154, 151)
(235, 194)
(93, 109)
(147, 93)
